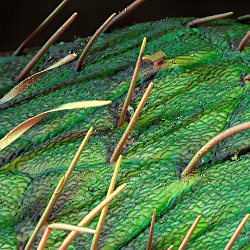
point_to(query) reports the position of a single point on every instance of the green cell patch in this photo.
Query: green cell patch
(198, 92)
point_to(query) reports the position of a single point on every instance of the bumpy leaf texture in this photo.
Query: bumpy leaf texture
(199, 95)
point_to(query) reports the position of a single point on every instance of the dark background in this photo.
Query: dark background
(19, 17)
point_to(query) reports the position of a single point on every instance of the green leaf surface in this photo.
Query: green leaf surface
(199, 94)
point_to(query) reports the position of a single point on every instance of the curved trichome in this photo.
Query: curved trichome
(131, 125)
(91, 41)
(132, 84)
(243, 42)
(124, 13)
(209, 19)
(45, 47)
(211, 144)
(40, 28)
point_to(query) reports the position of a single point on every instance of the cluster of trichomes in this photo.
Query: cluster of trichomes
(199, 90)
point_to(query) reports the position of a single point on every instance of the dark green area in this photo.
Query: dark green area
(198, 96)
